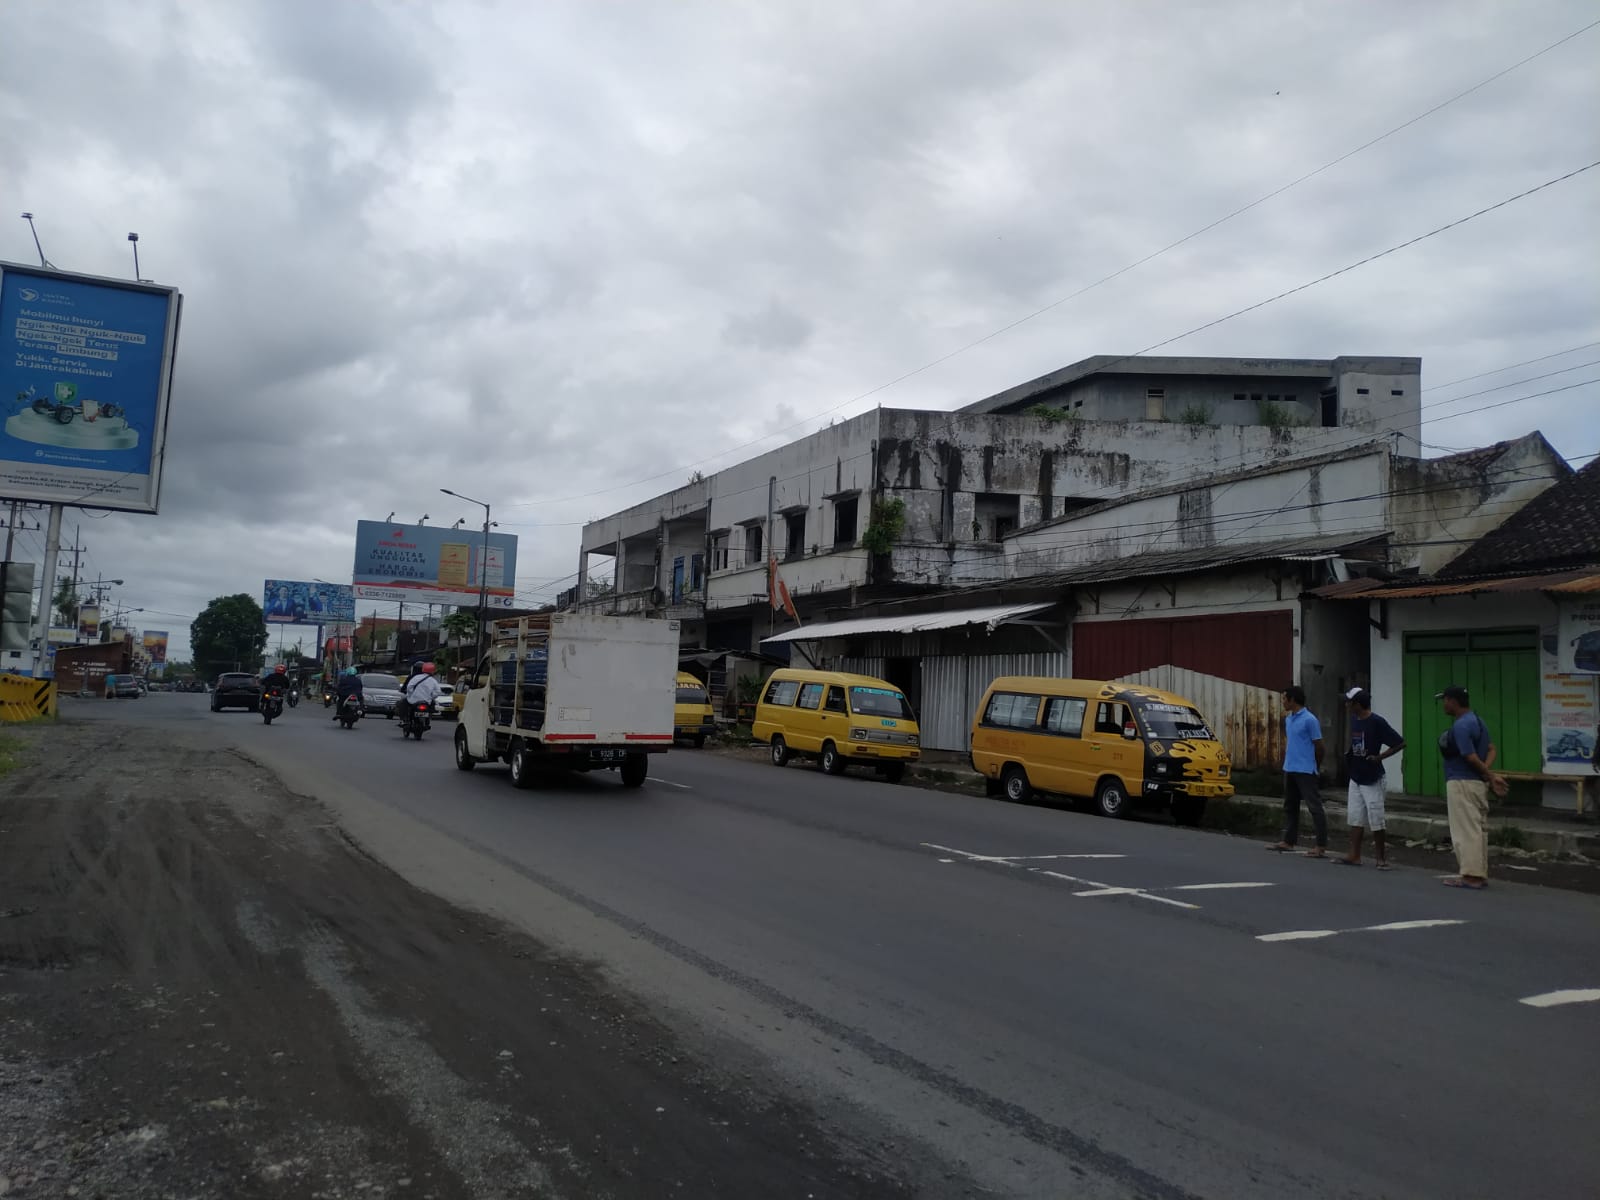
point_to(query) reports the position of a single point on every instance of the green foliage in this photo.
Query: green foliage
(460, 626)
(231, 634)
(1509, 837)
(1196, 412)
(1276, 416)
(887, 524)
(749, 689)
(1051, 414)
(10, 748)
(66, 602)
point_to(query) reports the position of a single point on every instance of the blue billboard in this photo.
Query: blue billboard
(430, 564)
(302, 602)
(85, 375)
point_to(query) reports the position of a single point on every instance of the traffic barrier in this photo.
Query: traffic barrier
(25, 699)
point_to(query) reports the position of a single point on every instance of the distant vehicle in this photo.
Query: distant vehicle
(122, 687)
(382, 694)
(1117, 744)
(144, 687)
(571, 692)
(838, 719)
(693, 718)
(236, 689)
(445, 705)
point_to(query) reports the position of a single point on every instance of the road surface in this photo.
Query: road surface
(1058, 1004)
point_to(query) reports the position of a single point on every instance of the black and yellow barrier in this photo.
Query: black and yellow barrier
(25, 699)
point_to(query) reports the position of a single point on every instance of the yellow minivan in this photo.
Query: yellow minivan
(838, 719)
(693, 718)
(1117, 744)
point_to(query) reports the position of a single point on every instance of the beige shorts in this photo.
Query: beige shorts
(1366, 805)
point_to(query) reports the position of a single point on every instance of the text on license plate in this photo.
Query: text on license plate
(606, 755)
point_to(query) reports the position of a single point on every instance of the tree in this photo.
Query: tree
(460, 626)
(230, 635)
(67, 601)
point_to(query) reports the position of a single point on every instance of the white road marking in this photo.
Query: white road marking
(1111, 891)
(1096, 888)
(1009, 860)
(1514, 867)
(683, 786)
(1215, 887)
(1569, 996)
(1300, 935)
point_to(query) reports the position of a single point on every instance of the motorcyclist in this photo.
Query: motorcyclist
(422, 688)
(349, 685)
(277, 684)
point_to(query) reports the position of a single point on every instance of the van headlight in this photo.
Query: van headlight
(858, 735)
(912, 740)
(1161, 768)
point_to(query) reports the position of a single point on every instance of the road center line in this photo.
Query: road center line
(1300, 935)
(1009, 860)
(1096, 888)
(1215, 887)
(682, 786)
(1569, 996)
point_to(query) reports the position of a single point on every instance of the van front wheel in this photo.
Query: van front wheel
(832, 760)
(1111, 799)
(1014, 782)
(780, 751)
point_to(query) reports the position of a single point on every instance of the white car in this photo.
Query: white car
(444, 706)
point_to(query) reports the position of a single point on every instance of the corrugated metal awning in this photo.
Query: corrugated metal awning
(1566, 582)
(910, 622)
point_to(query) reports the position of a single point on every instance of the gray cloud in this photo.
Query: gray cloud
(535, 253)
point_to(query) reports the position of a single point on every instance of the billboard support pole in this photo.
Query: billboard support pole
(47, 589)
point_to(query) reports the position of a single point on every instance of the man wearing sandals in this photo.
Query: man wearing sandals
(1469, 754)
(1372, 739)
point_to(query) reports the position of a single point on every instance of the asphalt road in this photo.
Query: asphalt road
(1061, 1004)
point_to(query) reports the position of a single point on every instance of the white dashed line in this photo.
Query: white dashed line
(1096, 888)
(1215, 887)
(1008, 860)
(1569, 996)
(680, 786)
(1302, 935)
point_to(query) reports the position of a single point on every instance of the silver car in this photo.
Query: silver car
(380, 694)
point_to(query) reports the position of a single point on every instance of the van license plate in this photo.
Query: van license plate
(606, 755)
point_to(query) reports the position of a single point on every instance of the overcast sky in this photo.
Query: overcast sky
(540, 251)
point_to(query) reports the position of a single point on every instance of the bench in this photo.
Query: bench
(1577, 781)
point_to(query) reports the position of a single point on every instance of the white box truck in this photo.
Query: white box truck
(571, 692)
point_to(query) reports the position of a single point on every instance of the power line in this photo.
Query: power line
(1527, 362)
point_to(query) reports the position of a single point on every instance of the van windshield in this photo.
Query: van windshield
(879, 702)
(1173, 722)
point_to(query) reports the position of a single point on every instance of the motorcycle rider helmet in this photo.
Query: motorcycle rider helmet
(280, 669)
(350, 671)
(428, 668)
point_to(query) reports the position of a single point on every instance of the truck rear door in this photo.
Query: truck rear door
(612, 681)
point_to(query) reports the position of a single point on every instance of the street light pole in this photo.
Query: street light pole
(483, 574)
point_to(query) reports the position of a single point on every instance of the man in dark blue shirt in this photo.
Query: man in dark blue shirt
(1372, 739)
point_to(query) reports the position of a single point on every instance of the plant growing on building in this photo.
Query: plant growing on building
(1275, 415)
(887, 524)
(1051, 414)
(1196, 412)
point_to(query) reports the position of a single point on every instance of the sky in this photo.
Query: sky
(560, 256)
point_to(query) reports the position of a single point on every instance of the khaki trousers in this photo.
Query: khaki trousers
(1468, 804)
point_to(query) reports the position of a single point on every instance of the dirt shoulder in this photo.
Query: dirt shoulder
(206, 990)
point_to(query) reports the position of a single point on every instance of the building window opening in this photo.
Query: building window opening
(1155, 404)
(794, 535)
(752, 545)
(1330, 408)
(844, 521)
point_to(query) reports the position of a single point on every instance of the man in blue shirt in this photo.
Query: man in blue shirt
(1469, 755)
(1302, 765)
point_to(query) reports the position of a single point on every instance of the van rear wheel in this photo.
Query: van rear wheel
(780, 751)
(1014, 782)
(1111, 799)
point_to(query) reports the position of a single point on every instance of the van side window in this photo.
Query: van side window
(783, 691)
(1012, 710)
(1109, 718)
(836, 699)
(1064, 715)
(811, 695)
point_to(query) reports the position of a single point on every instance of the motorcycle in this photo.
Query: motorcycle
(294, 697)
(415, 720)
(271, 706)
(328, 695)
(350, 711)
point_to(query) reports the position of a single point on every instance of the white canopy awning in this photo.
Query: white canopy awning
(910, 622)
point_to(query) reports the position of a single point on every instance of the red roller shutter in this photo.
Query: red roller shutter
(1250, 648)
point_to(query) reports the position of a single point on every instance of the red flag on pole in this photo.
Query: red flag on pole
(778, 592)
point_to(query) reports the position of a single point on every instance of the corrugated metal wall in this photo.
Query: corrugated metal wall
(1256, 648)
(1248, 720)
(952, 686)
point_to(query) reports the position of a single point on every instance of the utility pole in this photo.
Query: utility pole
(52, 551)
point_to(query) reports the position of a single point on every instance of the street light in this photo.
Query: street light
(483, 574)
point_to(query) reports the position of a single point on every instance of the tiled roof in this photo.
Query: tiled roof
(1559, 527)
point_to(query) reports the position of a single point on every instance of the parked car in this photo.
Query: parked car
(380, 693)
(838, 719)
(122, 687)
(236, 689)
(1117, 744)
(693, 718)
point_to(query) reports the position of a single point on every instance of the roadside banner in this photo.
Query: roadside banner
(88, 622)
(85, 383)
(301, 602)
(423, 564)
(155, 646)
(1578, 643)
(16, 605)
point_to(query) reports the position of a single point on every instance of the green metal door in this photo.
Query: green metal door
(1500, 668)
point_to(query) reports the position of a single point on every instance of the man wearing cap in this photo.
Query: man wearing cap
(1372, 739)
(1468, 754)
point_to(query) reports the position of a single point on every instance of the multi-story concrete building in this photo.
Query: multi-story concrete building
(897, 502)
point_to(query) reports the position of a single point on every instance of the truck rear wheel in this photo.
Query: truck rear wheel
(521, 765)
(635, 768)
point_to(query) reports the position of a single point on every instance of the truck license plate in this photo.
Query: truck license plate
(606, 755)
